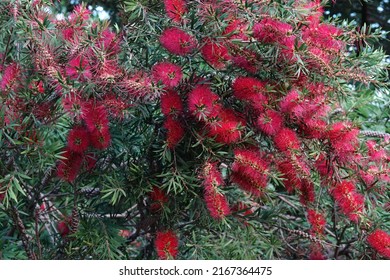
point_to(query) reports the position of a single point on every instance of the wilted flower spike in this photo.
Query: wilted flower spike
(166, 244)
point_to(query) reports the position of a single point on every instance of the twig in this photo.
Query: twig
(22, 230)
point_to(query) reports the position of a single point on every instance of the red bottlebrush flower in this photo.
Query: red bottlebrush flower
(270, 122)
(212, 177)
(203, 103)
(115, 105)
(216, 54)
(109, 43)
(37, 87)
(249, 171)
(250, 89)
(286, 140)
(168, 73)
(100, 139)
(343, 139)
(270, 30)
(236, 30)
(306, 192)
(171, 103)
(69, 167)
(79, 15)
(217, 205)
(10, 76)
(177, 41)
(78, 68)
(289, 102)
(323, 36)
(68, 34)
(166, 245)
(63, 228)
(314, 128)
(227, 129)
(175, 9)
(138, 85)
(324, 167)
(78, 139)
(175, 131)
(295, 173)
(316, 252)
(246, 60)
(376, 153)
(350, 202)
(317, 221)
(159, 198)
(380, 241)
(95, 117)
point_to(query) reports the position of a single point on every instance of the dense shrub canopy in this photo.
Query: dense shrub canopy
(198, 129)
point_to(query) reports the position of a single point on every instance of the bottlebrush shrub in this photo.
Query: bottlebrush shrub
(195, 126)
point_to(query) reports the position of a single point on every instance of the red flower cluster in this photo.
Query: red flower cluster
(158, 198)
(249, 171)
(177, 41)
(221, 123)
(270, 30)
(380, 241)
(270, 122)
(215, 53)
(286, 140)
(172, 108)
(317, 221)
(175, 131)
(350, 202)
(216, 202)
(171, 103)
(167, 73)
(69, 167)
(296, 177)
(250, 90)
(175, 9)
(10, 75)
(96, 120)
(203, 103)
(343, 139)
(78, 68)
(166, 244)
